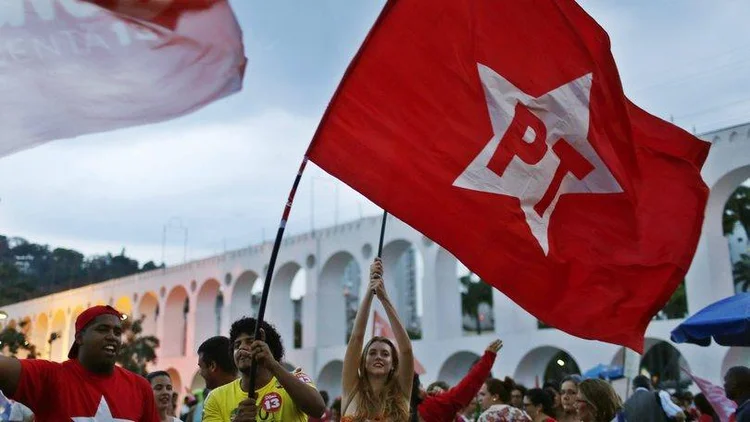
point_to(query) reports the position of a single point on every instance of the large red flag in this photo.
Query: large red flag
(500, 130)
(72, 67)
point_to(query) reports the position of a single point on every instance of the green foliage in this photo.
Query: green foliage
(741, 273)
(676, 307)
(137, 351)
(29, 270)
(737, 209)
(472, 294)
(14, 339)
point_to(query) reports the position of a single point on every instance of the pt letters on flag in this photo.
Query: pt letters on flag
(72, 67)
(500, 130)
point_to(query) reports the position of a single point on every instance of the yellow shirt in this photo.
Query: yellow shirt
(274, 403)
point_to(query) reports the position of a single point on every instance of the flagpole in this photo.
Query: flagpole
(271, 264)
(382, 234)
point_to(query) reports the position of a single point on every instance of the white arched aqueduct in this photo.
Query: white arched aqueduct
(186, 304)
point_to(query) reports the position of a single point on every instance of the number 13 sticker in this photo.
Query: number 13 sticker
(271, 402)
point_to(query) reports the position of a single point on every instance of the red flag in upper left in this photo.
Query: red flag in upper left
(72, 67)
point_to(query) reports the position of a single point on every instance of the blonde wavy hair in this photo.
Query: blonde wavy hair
(392, 404)
(601, 397)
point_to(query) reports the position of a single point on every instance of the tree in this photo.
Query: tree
(741, 273)
(473, 293)
(737, 209)
(137, 351)
(14, 339)
(676, 307)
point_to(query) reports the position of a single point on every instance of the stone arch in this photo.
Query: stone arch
(338, 292)
(242, 304)
(404, 269)
(448, 295)
(329, 378)
(39, 334)
(176, 381)
(280, 305)
(735, 356)
(72, 326)
(148, 310)
(541, 364)
(124, 305)
(733, 136)
(58, 350)
(207, 312)
(721, 190)
(175, 323)
(662, 361)
(457, 366)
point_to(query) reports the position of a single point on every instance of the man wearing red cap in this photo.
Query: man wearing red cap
(88, 387)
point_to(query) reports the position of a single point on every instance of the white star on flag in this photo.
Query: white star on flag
(103, 414)
(539, 151)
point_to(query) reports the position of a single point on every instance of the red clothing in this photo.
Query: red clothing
(58, 392)
(443, 407)
(325, 418)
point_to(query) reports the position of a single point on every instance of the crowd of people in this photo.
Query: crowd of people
(378, 383)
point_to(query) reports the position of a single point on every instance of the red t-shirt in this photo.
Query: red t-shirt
(64, 391)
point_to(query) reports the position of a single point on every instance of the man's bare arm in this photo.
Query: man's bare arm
(10, 374)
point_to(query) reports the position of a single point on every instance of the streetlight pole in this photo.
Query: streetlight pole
(164, 238)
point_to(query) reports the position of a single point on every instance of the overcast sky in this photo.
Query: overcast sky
(224, 172)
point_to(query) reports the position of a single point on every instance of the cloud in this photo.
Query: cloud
(226, 182)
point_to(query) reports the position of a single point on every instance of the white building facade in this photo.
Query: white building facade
(187, 304)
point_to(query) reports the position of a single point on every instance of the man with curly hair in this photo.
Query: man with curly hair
(279, 395)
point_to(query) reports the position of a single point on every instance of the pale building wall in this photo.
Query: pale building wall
(323, 254)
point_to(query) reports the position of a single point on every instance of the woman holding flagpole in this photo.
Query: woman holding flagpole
(377, 381)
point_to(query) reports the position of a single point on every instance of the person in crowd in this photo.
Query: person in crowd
(737, 387)
(565, 411)
(377, 380)
(537, 403)
(553, 389)
(707, 412)
(469, 413)
(495, 399)
(88, 384)
(161, 384)
(216, 367)
(688, 407)
(516, 396)
(647, 405)
(597, 401)
(437, 387)
(444, 405)
(327, 415)
(175, 404)
(279, 394)
(336, 410)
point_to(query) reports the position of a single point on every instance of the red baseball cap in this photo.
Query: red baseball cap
(85, 318)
